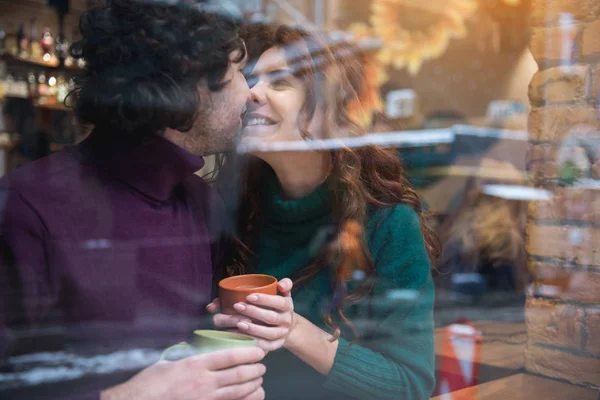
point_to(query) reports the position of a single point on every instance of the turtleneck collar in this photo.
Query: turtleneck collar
(278, 210)
(153, 168)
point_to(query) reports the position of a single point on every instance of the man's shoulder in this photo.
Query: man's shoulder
(203, 192)
(42, 171)
(45, 172)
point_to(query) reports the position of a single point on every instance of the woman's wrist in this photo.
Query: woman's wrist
(294, 340)
(312, 345)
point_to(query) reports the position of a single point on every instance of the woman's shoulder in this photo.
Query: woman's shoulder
(395, 240)
(398, 217)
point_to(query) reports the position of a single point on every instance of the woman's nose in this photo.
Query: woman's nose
(257, 94)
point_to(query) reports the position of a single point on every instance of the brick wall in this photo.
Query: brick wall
(563, 234)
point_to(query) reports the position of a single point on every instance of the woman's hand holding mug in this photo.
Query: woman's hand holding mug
(268, 318)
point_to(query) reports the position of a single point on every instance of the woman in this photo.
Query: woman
(484, 239)
(342, 225)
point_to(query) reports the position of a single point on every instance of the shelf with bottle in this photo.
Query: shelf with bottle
(52, 64)
(43, 51)
(47, 91)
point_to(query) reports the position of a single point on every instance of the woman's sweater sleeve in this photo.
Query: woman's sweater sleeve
(394, 360)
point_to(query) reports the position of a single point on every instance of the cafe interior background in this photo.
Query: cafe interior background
(492, 105)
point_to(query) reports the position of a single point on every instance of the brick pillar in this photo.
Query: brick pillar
(563, 234)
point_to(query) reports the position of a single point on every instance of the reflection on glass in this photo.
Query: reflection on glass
(418, 183)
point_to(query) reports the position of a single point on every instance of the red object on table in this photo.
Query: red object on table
(459, 366)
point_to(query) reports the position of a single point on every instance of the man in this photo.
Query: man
(116, 238)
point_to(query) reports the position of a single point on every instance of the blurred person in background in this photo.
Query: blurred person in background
(484, 238)
(339, 229)
(116, 239)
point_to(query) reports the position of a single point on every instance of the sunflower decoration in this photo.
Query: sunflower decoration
(374, 74)
(425, 36)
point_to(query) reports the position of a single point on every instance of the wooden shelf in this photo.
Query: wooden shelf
(53, 107)
(47, 106)
(39, 63)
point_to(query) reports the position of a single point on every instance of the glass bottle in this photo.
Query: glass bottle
(2, 40)
(33, 85)
(22, 42)
(21, 87)
(35, 49)
(47, 42)
(12, 47)
(52, 89)
(61, 90)
(9, 85)
(62, 48)
(42, 87)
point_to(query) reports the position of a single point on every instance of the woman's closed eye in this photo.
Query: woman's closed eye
(280, 79)
(280, 83)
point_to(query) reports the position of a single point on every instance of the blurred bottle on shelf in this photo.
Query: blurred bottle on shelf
(21, 87)
(2, 81)
(33, 85)
(69, 61)
(42, 87)
(35, 49)
(62, 48)
(52, 90)
(2, 40)
(22, 42)
(15, 86)
(47, 44)
(12, 47)
(62, 90)
(8, 84)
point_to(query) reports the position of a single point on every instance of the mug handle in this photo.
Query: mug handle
(182, 345)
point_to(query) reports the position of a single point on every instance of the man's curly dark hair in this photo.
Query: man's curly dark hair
(145, 59)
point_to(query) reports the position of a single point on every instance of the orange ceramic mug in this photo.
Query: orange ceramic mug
(235, 289)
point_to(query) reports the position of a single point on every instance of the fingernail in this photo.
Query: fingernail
(252, 297)
(239, 307)
(242, 326)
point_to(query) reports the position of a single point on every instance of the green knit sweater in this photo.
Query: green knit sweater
(393, 357)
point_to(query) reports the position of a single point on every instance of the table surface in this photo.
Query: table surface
(502, 349)
(524, 387)
(503, 343)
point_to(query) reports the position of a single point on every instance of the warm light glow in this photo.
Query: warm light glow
(406, 48)
(370, 102)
